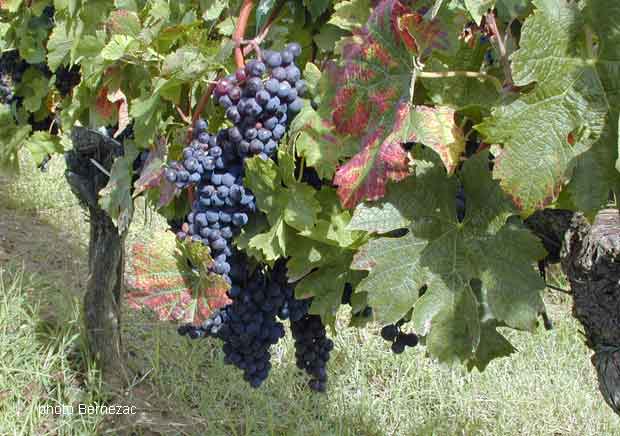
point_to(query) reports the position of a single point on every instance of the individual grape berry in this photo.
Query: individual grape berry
(201, 125)
(241, 75)
(233, 114)
(294, 48)
(287, 57)
(398, 347)
(409, 339)
(273, 59)
(279, 74)
(296, 106)
(292, 74)
(255, 68)
(389, 332)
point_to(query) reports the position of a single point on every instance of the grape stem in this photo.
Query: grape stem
(492, 26)
(242, 24)
(253, 44)
(473, 74)
(186, 119)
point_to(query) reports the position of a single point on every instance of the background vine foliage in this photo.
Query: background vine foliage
(413, 159)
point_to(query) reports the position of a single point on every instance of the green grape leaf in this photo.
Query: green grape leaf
(33, 87)
(271, 244)
(478, 8)
(544, 130)
(41, 144)
(389, 213)
(263, 11)
(293, 203)
(116, 197)
(317, 7)
(185, 64)
(59, 45)
(12, 138)
(117, 47)
(466, 94)
(174, 282)
(431, 268)
(595, 173)
(350, 15)
(124, 22)
(507, 10)
(214, 10)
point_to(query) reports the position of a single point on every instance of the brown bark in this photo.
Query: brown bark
(102, 299)
(591, 260)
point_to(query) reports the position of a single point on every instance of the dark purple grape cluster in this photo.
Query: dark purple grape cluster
(222, 205)
(248, 326)
(261, 99)
(67, 78)
(312, 348)
(12, 67)
(399, 339)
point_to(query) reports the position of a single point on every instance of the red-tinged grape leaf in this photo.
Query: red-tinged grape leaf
(153, 171)
(571, 97)
(119, 98)
(104, 107)
(368, 99)
(315, 141)
(167, 192)
(163, 281)
(365, 176)
(445, 258)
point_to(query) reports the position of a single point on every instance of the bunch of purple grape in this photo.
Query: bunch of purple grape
(312, 348)
(261, 107)
(222, 204)
(400, 340)
(260, 101)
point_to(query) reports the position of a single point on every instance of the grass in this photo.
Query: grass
(41, 364)
(183, 387)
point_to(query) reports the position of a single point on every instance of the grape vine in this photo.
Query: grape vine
(403, 175)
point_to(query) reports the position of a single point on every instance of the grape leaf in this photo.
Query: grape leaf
(59, 45)
(466, 94)
(569, 99)
(263, 10)
(478, 8)
(595, 173)
(315, 142)
(124, 22)
(293, 202)
(41, 144)
(317, 7)
(389, 213)
(12, 138)
(165, 283)
(369, 100)
(33, 87)
(442, 257)
(117, 47)
(350, 15)
(116, 197)
(152, 173)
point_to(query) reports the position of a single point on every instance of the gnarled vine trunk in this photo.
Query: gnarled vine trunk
(102, 299)
(591, 260)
